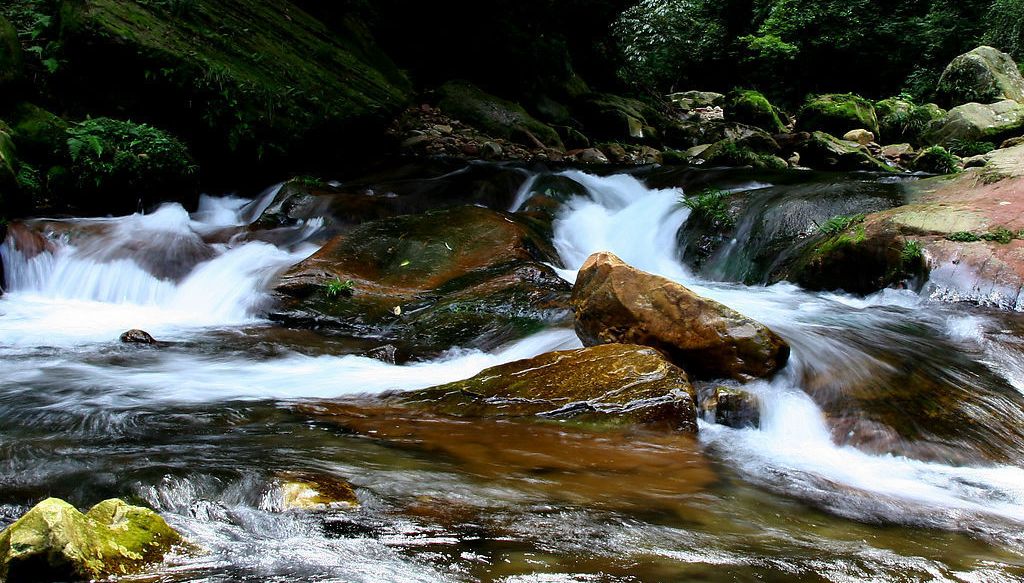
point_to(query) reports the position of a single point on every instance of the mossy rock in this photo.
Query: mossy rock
(824, 151)
(55, 542)
(837, 114)
(466, 276)
(41, 135)
(494, 116)
(977, 122)
(984, 75)
(12, 63)
(612, 383)
(902, 121)
(8, 168)
(751, 107)
(617, 118)
(246, 80)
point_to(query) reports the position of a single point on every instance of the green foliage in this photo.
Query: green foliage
(1000, 235)
(729, 153)
(1004, 25)
(108, 153)
(711, 205)
(839, 223)
(967, 148)
(937, 160)
(336, 288)
(911, 253)
(963, 237)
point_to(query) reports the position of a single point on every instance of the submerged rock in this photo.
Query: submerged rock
(612, 383)
(731, 407)
(309, 491)
(618, 303)
(984, 75)
(466, 276)
(55, 542)
(137, 336)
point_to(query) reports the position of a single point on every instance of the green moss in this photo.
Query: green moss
(838, 114)
(751, 107)
(261, 75)
(711, 206)
(493, 115)
(1000, 235)
(40, 134)
(11, 60)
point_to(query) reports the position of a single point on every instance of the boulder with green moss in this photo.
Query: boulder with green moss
(55, 542)
(11, 60)
(494, 116)
(751, 107)
(977, 122)
(246, 79)
(837, 114)
(616, 118)
(827, 152)
(737, 153)
(611, 383)
(8, 163)
(901, 120)
(41, 135)
(466, 276)
(984, 75)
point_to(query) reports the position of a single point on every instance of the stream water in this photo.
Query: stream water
(890, 448)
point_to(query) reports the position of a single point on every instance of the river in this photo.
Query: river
(891, 447)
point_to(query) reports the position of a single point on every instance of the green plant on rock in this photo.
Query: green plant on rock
(1000, 235)
(937, 160)
(839, 223)
(711, 205)
(968, 148)
(911, 253)
(963, 237)
(336, 288)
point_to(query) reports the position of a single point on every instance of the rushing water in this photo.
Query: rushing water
(890, 448)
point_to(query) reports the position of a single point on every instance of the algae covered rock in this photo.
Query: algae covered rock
(751, 107)
(494, 116)
(618, 303)
(838, 114)
(613, 117)
(936, 160)
(55, 542)
(12, 63)
(466, 276)
(827, 152)
(41, 135)
(901, 120)
(610, 383)
(984, 75)
(976, 122)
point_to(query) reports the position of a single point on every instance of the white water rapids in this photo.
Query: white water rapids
(68, 302)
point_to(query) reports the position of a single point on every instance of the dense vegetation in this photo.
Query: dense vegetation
(792, 47)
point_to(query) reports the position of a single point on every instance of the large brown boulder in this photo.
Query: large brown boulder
(617, 303)
(466, 276)
(612, 382)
